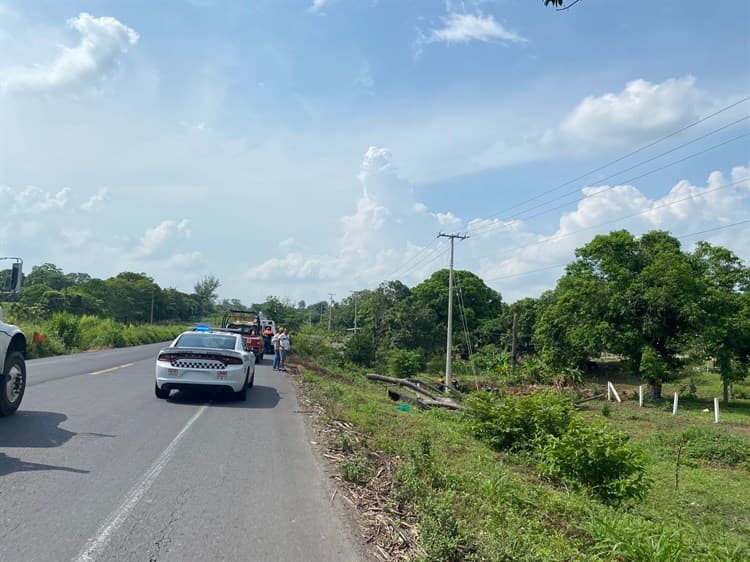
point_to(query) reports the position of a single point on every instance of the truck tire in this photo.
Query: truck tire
(12, 383)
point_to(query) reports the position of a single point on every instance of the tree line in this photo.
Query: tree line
(129, 298)
(643, 299)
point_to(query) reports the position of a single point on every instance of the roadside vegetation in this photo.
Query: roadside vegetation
(69, 312)
(540, 466)
(525, 475)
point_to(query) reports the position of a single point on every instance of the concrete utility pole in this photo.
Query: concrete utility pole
(330, 311)
(449, 343)
(514, 340)
(354, 296)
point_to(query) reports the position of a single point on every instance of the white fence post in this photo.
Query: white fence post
(640, 396)
(716, 410)
(613, 390)
(609, 391)
(674, 406)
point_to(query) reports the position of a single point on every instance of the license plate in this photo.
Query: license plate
(221, 374)
(173, 372)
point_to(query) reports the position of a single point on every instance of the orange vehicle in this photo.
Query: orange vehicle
(246, 322)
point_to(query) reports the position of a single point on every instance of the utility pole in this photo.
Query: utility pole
(513, 341)
(152, 303)
(354, 293)
(449, 343)
(330, 311)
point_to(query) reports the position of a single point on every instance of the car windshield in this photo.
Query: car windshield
(211, 341)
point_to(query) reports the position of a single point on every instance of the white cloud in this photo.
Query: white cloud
(642, 107)
(96, 201)
(640, 112)
(103, 41)
(155, 237)
(463, 28)
(317, 6)
(446, 219)
(31, 200)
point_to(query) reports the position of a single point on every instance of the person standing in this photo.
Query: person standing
(276, 350)
(285, 344)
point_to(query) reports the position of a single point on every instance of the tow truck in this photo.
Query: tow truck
(12, 348)
(246, 322)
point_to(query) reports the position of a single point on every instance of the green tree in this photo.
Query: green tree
(630, 296)
(725, 312)
(47, 274)
(205, 291)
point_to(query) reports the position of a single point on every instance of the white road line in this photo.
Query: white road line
(95, 545)
(111, 369)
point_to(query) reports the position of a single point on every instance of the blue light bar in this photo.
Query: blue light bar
(202, 328)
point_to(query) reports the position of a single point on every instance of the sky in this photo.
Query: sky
(304, 147)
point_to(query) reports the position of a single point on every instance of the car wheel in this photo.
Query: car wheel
(12, 383)
(161, 393)
(258, 357)
(241, 395)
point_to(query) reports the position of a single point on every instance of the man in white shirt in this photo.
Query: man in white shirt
(276, 350)
(285, 345)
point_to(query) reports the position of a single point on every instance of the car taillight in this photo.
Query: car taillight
(233, 361)
(164, 357)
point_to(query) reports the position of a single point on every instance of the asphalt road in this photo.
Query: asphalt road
(94, 467)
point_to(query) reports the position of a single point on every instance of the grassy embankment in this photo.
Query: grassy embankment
(471, 502)
(64, 333)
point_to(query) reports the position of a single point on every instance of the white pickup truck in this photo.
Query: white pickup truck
(12, 350)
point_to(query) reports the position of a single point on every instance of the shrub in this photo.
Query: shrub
(360, 349)
(403, 363)
(356, 470)
(519, 421)
(67, 328)
(597, 457)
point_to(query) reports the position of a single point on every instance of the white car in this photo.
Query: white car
(207, 359)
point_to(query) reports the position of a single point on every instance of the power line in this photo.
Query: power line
(628, 155)
(547, 268)
(613, 221)
(486, 229)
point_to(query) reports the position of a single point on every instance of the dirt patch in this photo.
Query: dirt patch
(388, 532)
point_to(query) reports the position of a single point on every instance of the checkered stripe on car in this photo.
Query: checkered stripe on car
(193, 364)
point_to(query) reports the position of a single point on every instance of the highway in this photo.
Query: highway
(93, 467)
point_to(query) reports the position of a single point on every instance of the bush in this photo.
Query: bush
(518, 422)
(360, 350)
(404, 364)
(67, 328)
(597, 457)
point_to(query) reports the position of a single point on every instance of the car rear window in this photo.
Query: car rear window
(211, 341)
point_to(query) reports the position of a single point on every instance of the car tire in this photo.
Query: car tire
(241, 395)
(161, 393)
(258, 357)
(12, 383)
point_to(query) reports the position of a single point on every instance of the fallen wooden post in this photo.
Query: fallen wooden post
(425, 399)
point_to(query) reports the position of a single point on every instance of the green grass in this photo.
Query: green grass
(472, 503)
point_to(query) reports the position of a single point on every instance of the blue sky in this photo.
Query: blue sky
(300, 147)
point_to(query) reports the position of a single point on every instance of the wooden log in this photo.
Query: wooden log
(429, 401)
(401, 382)
(579, 402)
